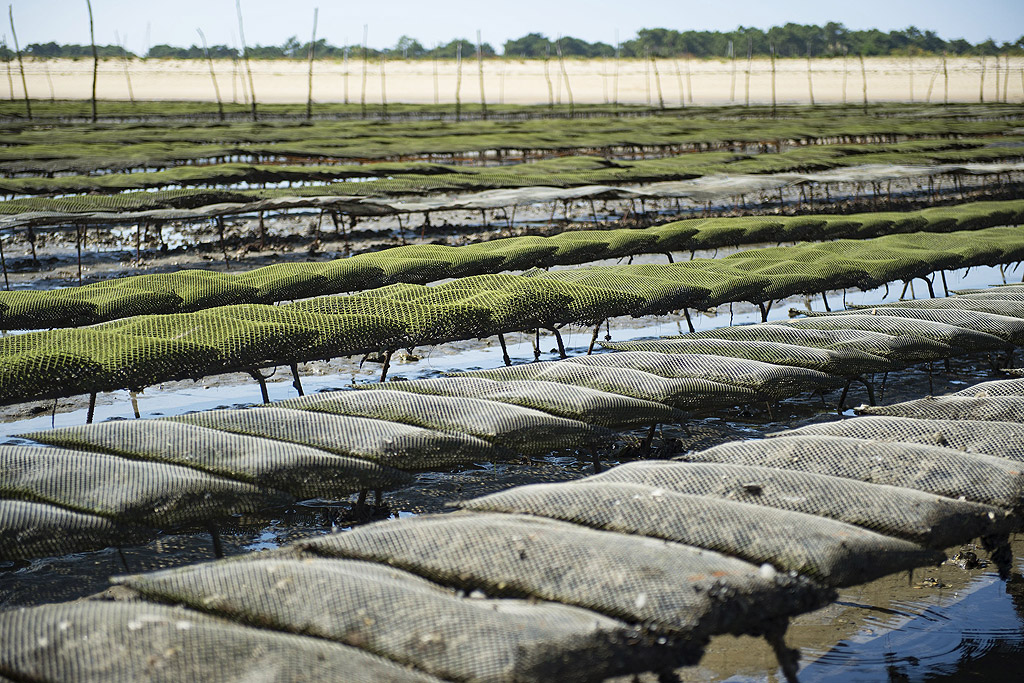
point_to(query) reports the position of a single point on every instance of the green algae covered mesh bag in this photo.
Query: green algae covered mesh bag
(898, 349)
(116, 300)
(927, 519)
(831, 552)
(685, 393)
(411, 270)
(298, 470)
(957, 337)
(1005, 327)
(500, 311)
(99, 640)
(391, 444)
(519, 429)
(460, 261)
(409, 620)
(999, 387)
(197, 289)
(770, 381)
(518, 253)
(1005, 307)
(46, 373)
(150, 493)
(29, 529)
(572, 402)
(671, 587)
(282, 281)
(1002, 439)
(721, 283)
(842, 362)
(657, 295)
(33, 310)
(987, 408)
(944, 471)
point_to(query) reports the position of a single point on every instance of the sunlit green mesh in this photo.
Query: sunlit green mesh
(1007, 307)
(126, 361)
(519, 253)
(411, 270)
(387, 443)
(117, 299)
(569, 401)
(616, 243)
(943, 471)
(29, 529)
(894, 348)
(669, 586)
(351, 275)
(43, 373)
(519, 429)
(283, 281)
(408, 619)
(676, 236)
(237, 343)
(35, 310)
(956, 337)
(322, 335)
(843, 362)
(997, 408)
(423, 324)
(722, 283)
(723, 232)
(460, 261)
(548, 302)
(1003, 439)
(835, 553)
(99, 640)
(1005, 327)
(998, 387)
(770, 381)
(197, 289)
(301, 471)
(925, 518)
(155, 494)
(656, 295)
(686, 393)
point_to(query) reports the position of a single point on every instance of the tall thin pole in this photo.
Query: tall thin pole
(981, 88)
(213, 75)
(910, 75)
(846, 71)
(480, 68)
(95, 60)
(565, 75)
(547, 77)
(437, 92)
(124, 63)
(679, 82)
(362, 92)
(312, 55)
(7, 63)
(245, 57)
(689, 83)
(810, 81)
(345, 66)
(771, 48)
(657, 83)
(458, 81)
(1006, 77)
(615, 81)
(384, 84)
(864, 81)
(732, 82)
(750, 58)
(945, 78)
(21, 65)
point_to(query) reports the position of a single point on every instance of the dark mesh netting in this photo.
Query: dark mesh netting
(832, 552)
(569, 401)
(1003, 439)
(299, 470)
(197, 289)
(680, 393)
(657, 295)
(842, 362)
(106, 641)
(43, 373)
(669, 586)
(519, 429)
(999, 387)
(899, 349)
(1011, 309)
(387, 443)
(944, 471)
(996, 408)
(928, 519)
(962, 339)
(408, 619)
(29, 530)
(1002, 326)
(769, 381)
(150, 493)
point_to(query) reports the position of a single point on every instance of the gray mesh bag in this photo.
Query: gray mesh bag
(407, 619)
(1003, 439)
(999, 387)
(957, 337)
(386, 443)
(299, 470)
(513, 427)
(995, 408)
(106, 641)
(686, 393)
(29, 530)
(572, 402)
(842, 362)
(832, 552)
(899, 349)
(770, 381)
(924, 518)
(944, 471)
(672, 587)
(1009, 308)
(150, 493)
(1005, 327)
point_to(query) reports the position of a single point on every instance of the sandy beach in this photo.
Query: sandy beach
(514, 81)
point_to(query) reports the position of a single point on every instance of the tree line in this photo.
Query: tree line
(790, 40)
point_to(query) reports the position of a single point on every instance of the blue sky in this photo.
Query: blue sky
(431, 21)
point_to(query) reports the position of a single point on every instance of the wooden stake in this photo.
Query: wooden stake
(845, 72)
(864, 81)
(437, 94)
(547, 77)
(657, 83)
(312, 55)
(981, 87)
(7, 63)
(458, 81)
(615, 81)
(945, 76)
(732, 82)
(565, 75)
(362, 93)
(95, 66)
(245, 57)
(771, 47)
(480, 68)
(124, 63)
(213, 75)
(21, 64)
(910, 75)
(679, 82)
(750, 57)
(689, 83)
(810, 82)
(383, 85)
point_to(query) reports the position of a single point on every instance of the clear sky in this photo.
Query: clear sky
(271, 22)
